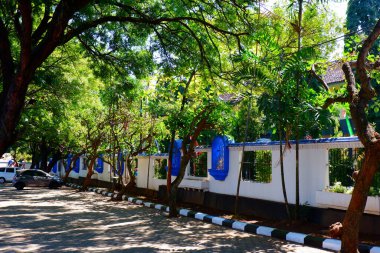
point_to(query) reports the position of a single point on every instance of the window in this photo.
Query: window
(198, 165)
(84, 160)
(10, 170)
(160, 168)
(136, 162)
(28, 173)
(342, 163)
(257, 166)
(2, 169)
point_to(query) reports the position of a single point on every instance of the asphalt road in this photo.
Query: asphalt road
(65, 220)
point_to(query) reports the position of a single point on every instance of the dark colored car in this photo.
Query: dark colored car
(35, 178)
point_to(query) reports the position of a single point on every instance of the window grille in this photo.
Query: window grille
(160, 168)
(257, 166)
(343, 162)
(198, 165)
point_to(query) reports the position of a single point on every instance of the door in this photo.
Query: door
(41, 179)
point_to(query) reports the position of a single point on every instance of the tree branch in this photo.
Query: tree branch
(351, 84)
(334, 100)
(358, 105)
(314, 74)
(25, 8)
(42, 27)
(200, 45)
(7, 65)
(64, 11)
(91, 24)
(366, 92)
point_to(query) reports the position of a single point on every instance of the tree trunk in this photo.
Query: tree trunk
(11, 105)
(90, 172)
(170, 165)
(56, 157)
(44, 151)
(35, 157)
(358, 100)
(132, 180)
(297, 130)
(174, 189)
(358, 201)
(71, 166)
(172, 198)
(283, 176)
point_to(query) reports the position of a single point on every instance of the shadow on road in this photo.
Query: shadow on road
(43, 220)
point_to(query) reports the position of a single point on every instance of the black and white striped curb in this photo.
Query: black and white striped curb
(309, 240)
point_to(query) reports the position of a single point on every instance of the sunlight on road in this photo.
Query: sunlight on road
(42, 220)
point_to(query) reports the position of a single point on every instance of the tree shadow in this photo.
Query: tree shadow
(41, 220)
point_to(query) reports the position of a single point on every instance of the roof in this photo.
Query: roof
(334, 74)
(232, 98)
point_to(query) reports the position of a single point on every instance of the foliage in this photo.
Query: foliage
(172, 92)
(272, 69)
(257, 166)
(198, 165)
(132, 39)
(362, 15)
(337, 187)
(160, 166)
(342, 163)
(59, 100)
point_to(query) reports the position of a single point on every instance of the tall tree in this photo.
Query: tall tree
(189, 105)
(358, 97)
(130, 128)
(284, 69)
(56, 100)
(32, 30)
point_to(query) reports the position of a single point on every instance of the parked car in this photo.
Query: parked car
(7, 174)
(35, 178)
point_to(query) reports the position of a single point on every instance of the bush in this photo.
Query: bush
(339, 188)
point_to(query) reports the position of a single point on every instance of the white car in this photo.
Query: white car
(7, 174)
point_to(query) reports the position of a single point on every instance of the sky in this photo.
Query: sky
(340, 9)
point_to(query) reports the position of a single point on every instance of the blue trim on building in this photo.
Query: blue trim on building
(313, 141)
(274, 143)
(220, 158)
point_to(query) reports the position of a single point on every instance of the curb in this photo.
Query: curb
(308, 240)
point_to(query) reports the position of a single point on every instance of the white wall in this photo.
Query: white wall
(313, 177)
(314, 173)
(154, 183)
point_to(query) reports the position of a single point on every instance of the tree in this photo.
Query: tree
(95, 138)
(32, 31)
(279, 70)
(130, 128)
(50, 123)
(358, 97)
(189, 105)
